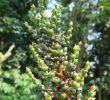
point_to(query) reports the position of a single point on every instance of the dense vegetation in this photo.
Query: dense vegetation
(45, 57)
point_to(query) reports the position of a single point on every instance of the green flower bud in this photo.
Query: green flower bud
(71, 23)
(57, 45)
(91, 93)
(70, 67)
(93, 87)
(73, 56)
(54, 18)
(85, 75)
(50, 32)
(43, 15)
(69, 31)
(81, 81)
(76, 76)
(33, 8)
(53, 26)
(51, 74)
(63, 96)
(55, 11)
(79, 95)
(60, 52)
(47, 96)
(40, 86)
(87, 65)
(65, 87)
(75, 84)
(65, 63)
(76, 53)
(42, 25)
(80, 43)
(38, 19)
(84, 71)
(38, 81)
(76, 48)
(58, 23)
(56, 80)
(45, 68)
(73, 91)
(44, 28)
(48, 24)
(66, 58)
(34, 35)
(65, 49)
(89, 98)
(75, 61)
(58, 15)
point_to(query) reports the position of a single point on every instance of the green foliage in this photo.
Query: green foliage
(100, 53)
(53, 66)
(41, 66)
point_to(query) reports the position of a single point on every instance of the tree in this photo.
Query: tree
(51, 70)
(100, 52)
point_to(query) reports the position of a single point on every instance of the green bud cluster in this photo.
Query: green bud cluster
(85, 69)
(55, 73)
(74, 57)
(36, 81)
(69, 31)
(40, 62)
(55, 67)
(91, 93)
(29, 28)
(47, 96)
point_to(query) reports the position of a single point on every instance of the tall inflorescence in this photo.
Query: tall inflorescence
(55, 70)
